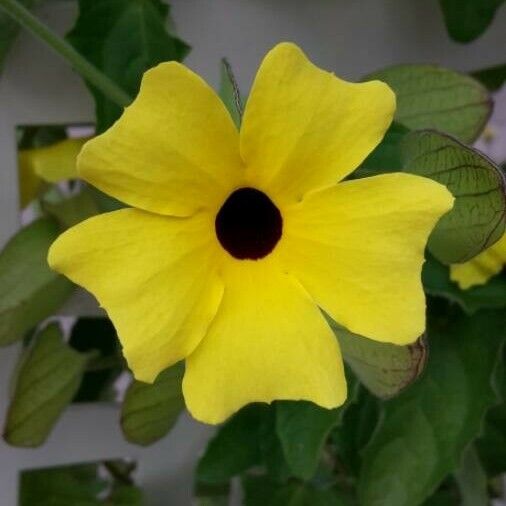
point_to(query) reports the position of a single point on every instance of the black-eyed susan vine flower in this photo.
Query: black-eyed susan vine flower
(236, 240)
(482, 267)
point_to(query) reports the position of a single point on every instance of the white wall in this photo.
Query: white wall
(350, 37)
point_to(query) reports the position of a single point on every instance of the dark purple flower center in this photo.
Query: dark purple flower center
(248, 224)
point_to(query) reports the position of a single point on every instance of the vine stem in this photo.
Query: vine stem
(88, 71)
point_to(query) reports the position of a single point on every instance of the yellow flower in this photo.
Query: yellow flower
(52, 163)
(236, 240)
(482, 267)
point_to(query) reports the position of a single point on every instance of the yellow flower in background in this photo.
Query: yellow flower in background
(53, 163)
(236, 239)
(482, 267)
(28, 182)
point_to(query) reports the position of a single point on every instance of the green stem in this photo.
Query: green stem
(88, 71)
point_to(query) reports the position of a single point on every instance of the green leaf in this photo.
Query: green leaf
(260, 491)
(123, 38)
(273, 455)
(443, 498)
(478, 217)
(434, 97)
(355, 431)
(468, 19)
(125, 495)
(387, 155)
(303, 428)
(437, 282)
(293, 440)
(40, 136)
(229, 92)
(72, 210)
(29, 290)
(97, 334)
(491, 445)
(472, 480)
(47, 381)
(63, 486)
(234, 448)
(212, 495)
(492, 78)
(385, 369)
(79, 485)
(104, 202)
(9, 30)
(424, 431)
(149, 411)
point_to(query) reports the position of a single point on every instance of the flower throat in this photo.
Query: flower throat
(248, 224)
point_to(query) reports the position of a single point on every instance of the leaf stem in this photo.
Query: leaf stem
(88, 71)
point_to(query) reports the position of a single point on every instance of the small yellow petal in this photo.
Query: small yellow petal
(304, 128)
(29, 183)
(55, 162)
(174, 151)
(358, 249)
(268, 341)
(155, 276)
(482, 267)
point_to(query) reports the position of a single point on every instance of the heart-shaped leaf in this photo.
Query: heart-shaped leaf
(424, 431)
(48, 380)
(478, 217)
(235, 446)
(492, 77)
(77, 485)
(434, 97)
(29, 290)
(149, 411)
(303, 428)
(301, 431)
(468, 19)
(262, 491)
(491, 445)
(384, 369)
(472, 480)
(351, 436)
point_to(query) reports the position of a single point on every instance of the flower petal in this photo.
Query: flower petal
(174, 150)
(268, 341)
(358, 249)
(153, 275)
(55, 162)
(482, 267)
(304, 129)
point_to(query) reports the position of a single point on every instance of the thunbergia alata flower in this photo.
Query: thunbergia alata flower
(236, 241)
